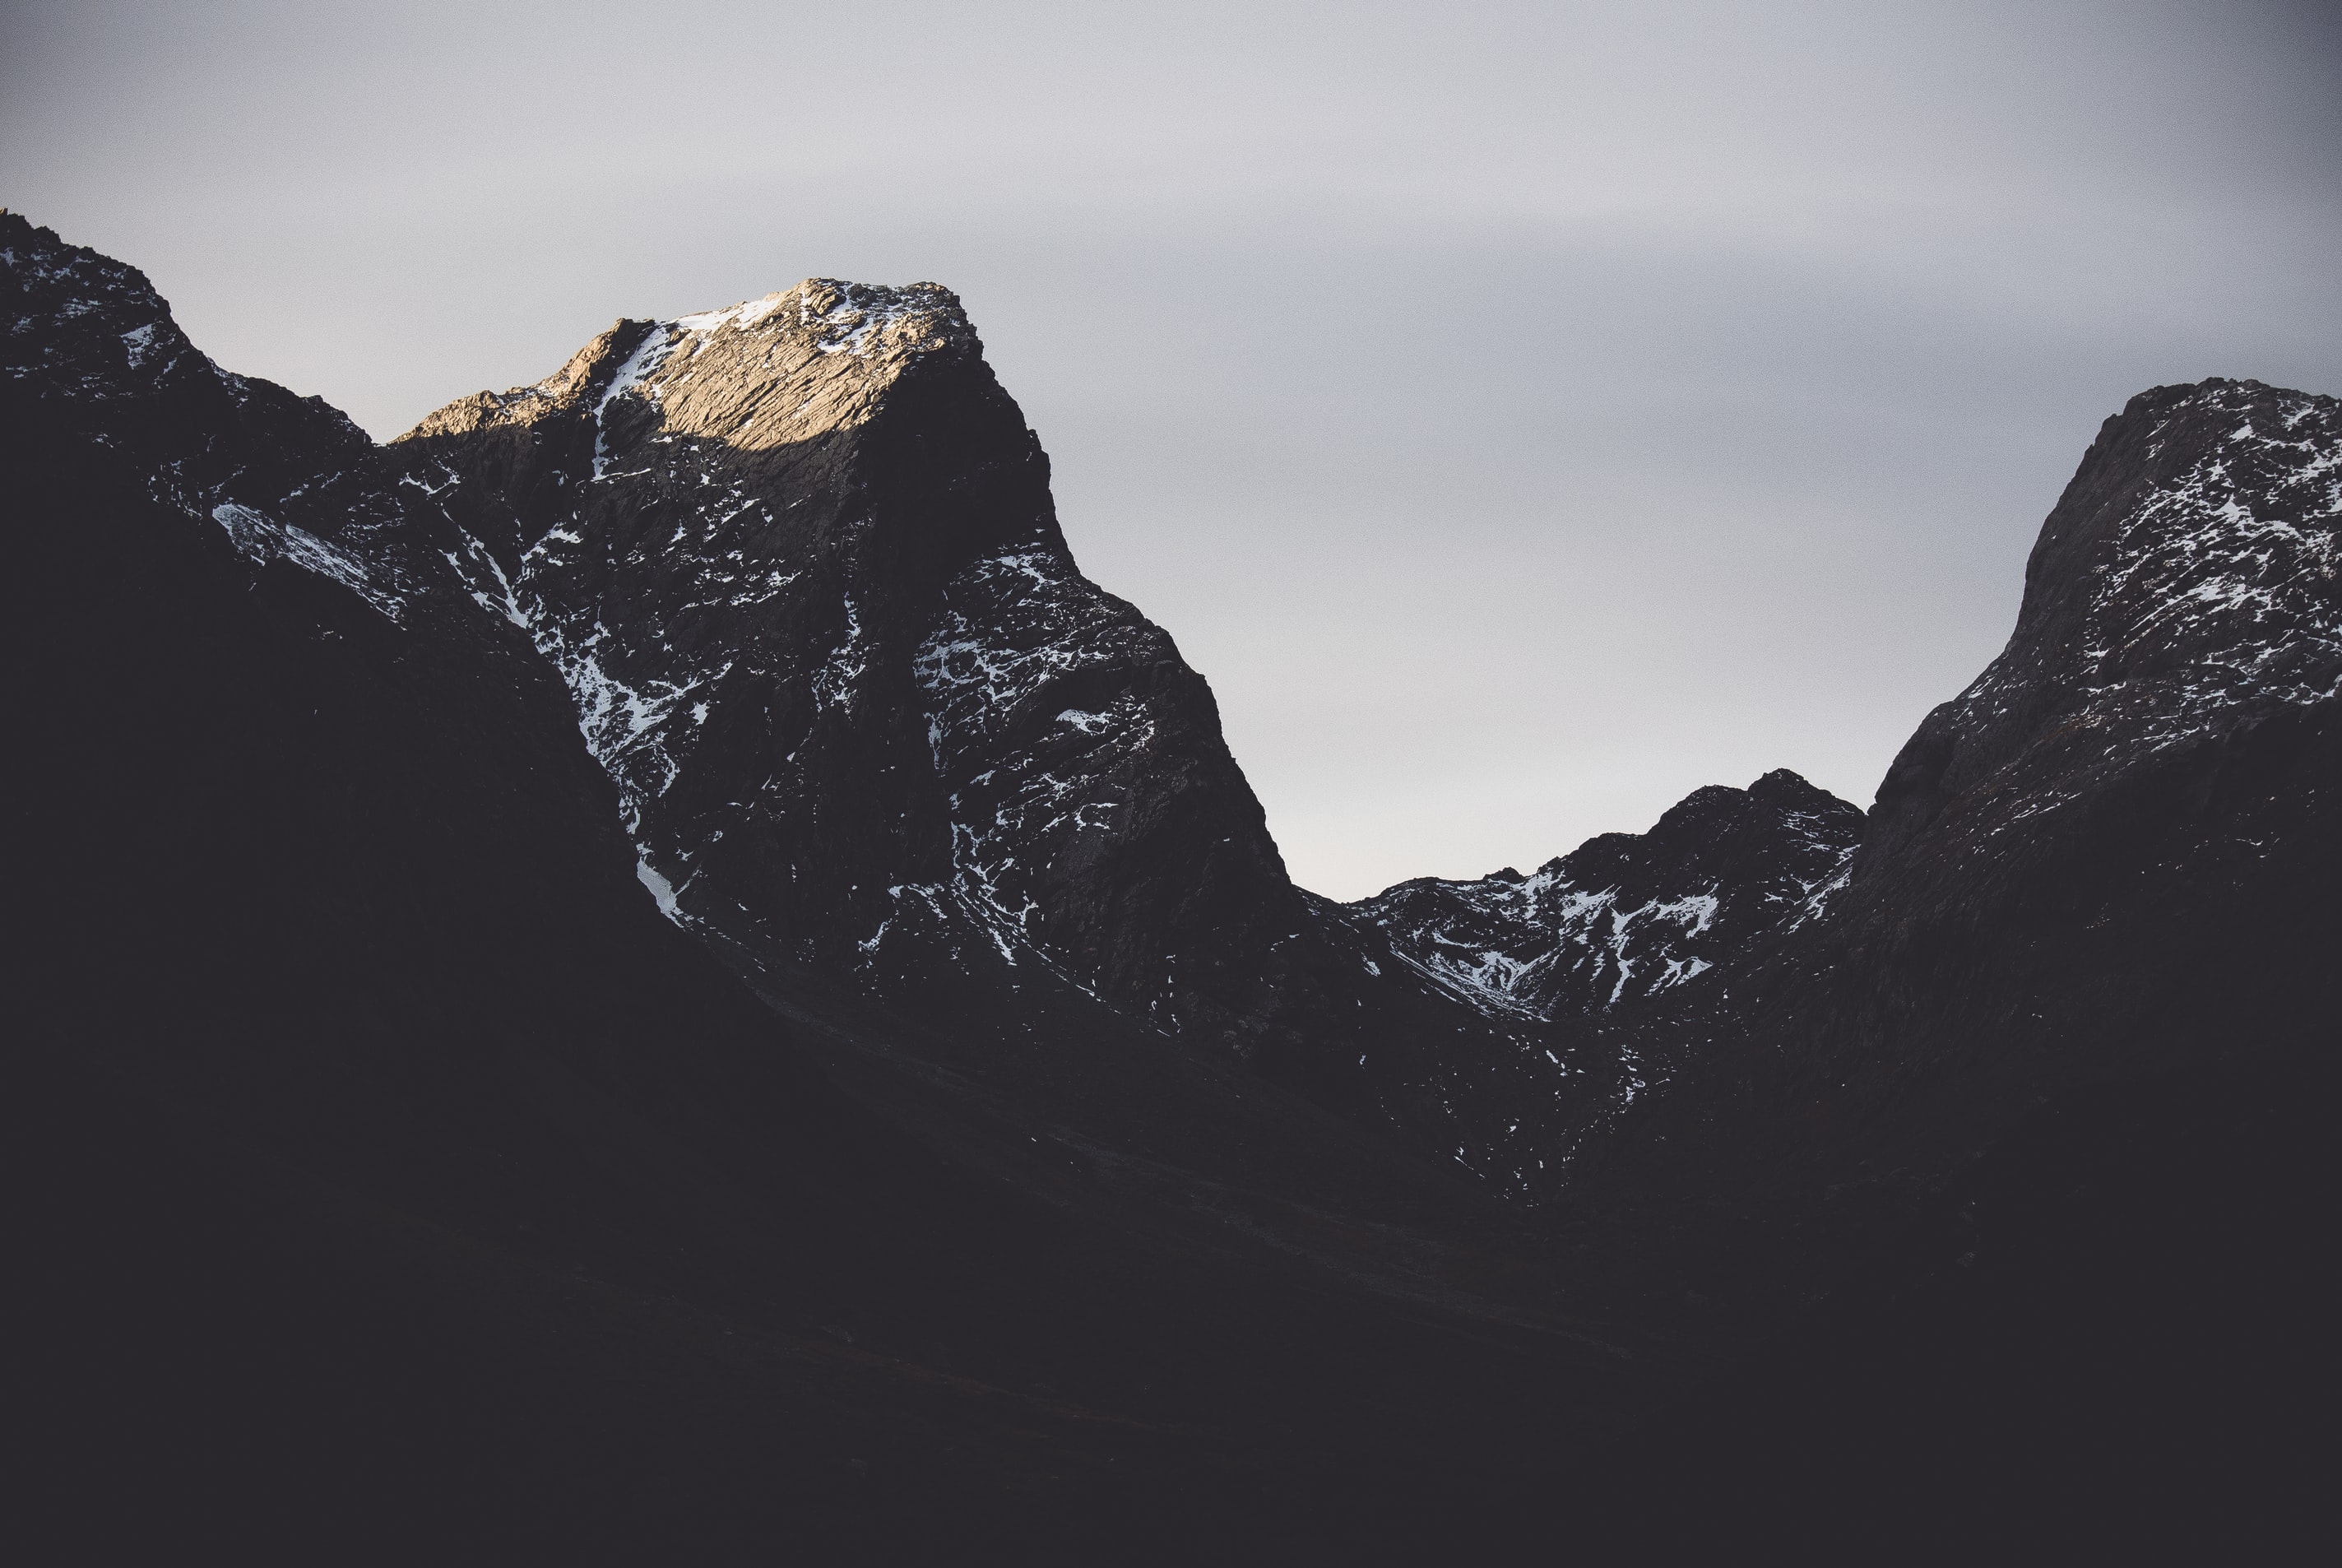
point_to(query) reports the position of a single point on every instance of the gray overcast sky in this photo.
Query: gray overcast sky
(1522, 414)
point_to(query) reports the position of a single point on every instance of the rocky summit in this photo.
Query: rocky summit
(797, 562)
(649, 970)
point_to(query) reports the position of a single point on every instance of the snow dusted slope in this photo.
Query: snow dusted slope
(2187, 587)
(1627, 916)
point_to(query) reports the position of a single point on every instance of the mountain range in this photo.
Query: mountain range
(648, 970)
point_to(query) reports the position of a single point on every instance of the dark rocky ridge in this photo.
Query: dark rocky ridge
(474, 1181)
(1625, 917)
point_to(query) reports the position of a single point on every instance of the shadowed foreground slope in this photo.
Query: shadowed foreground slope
(403, 1185)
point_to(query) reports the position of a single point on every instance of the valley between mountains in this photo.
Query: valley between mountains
(648, 970)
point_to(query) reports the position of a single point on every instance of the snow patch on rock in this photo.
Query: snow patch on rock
(261, 539)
